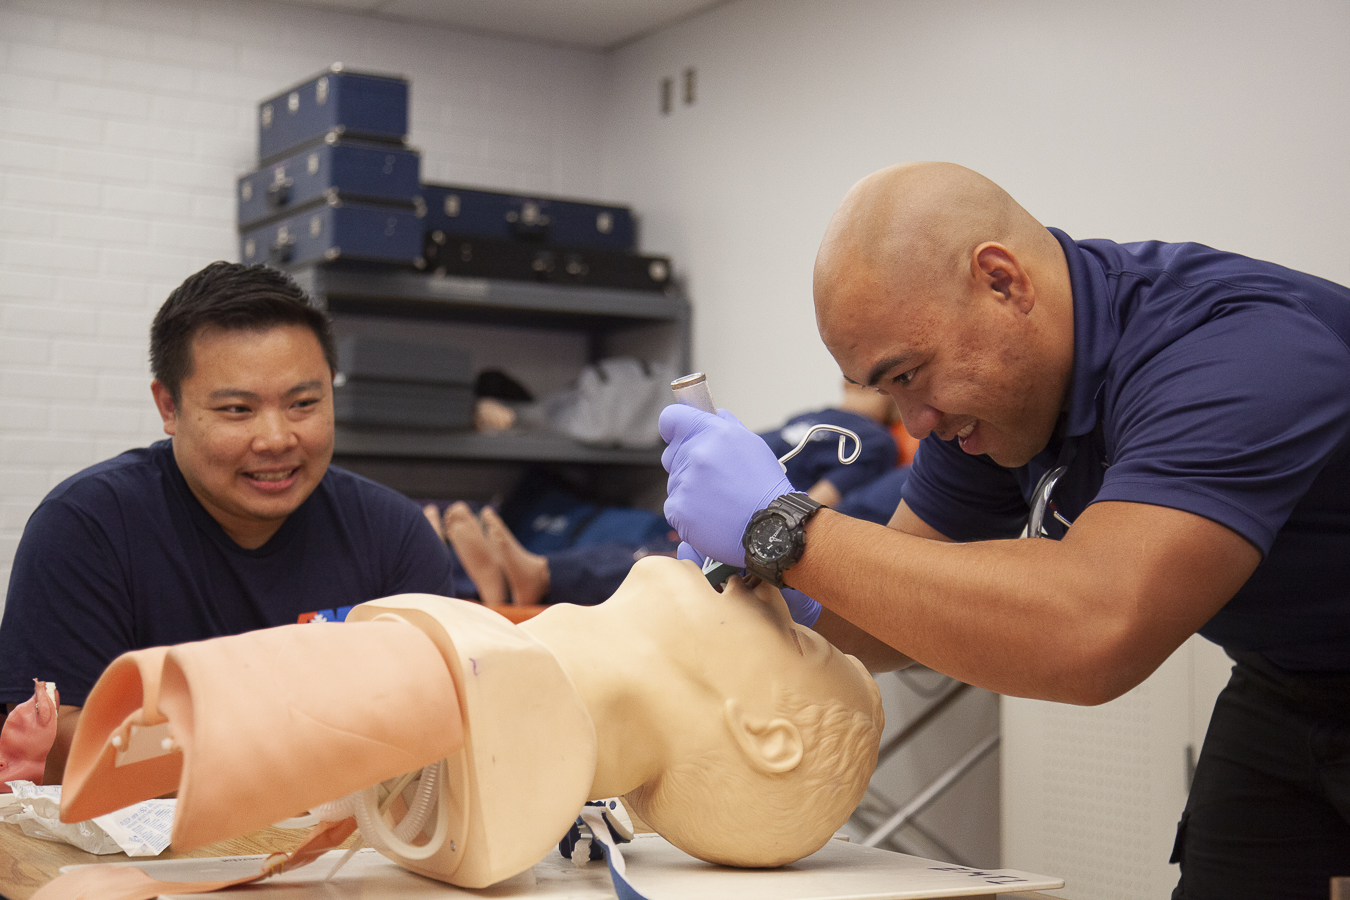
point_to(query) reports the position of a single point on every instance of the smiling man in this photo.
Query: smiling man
(1175, 418)
(236, 522)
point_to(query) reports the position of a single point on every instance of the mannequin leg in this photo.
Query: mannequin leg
(527, 573)
(465, 534)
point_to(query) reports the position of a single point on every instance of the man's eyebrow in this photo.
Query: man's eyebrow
(885, 366)
(303, 387)
(231, 394)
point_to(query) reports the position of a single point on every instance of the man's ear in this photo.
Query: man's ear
(168, 410)
(772, 746)
(996, 267)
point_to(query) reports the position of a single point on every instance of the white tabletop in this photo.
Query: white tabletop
(838, 871)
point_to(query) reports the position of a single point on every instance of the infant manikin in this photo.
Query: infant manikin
(739, 736)
(27, 736)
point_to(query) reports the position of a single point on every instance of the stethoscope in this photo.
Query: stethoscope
(1041, 501)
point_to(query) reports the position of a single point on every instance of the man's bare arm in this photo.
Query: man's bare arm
(1080, 620)
(825, 493)
(875, 654)
(67, 718)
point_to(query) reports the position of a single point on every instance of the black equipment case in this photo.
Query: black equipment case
(480, 257)
(382, 382)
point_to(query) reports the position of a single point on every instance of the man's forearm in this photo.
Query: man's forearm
(873, 653)
(67, 718)
(962, 609)
(1080, 620)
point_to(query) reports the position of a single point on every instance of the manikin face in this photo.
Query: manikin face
(253, 430)
(737, 643)
(962, 368)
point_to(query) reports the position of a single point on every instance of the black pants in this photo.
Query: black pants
(1269, 811)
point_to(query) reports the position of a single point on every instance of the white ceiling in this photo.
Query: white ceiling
(588, 24)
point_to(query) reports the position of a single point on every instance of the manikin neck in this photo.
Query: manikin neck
(615, 685)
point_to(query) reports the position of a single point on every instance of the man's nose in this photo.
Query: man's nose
(274, 433)
(919, 418)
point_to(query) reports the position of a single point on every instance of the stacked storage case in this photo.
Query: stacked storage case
(336, 179)
(488, 234)
(402, 384)
(337, 184)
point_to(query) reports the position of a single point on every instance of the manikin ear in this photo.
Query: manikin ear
(996, 268)
(772, 746)
(168, 410)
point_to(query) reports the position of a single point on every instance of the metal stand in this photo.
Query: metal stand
(881, 820)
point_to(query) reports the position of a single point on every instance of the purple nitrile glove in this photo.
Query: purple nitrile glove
(721, 474)
(684, 551)
(804, 610)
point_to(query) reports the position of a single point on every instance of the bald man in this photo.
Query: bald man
(1176, 419)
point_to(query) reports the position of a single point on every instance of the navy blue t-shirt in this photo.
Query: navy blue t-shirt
(122, 556)
(820, 457)
(1207, 382)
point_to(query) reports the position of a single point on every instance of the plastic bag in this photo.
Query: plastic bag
(615, 402)
(138, 830)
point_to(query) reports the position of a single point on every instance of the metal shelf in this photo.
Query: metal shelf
(423, 463)
(508, 446)
(353, 288)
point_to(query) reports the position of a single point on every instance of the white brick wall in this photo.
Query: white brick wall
(123, 126)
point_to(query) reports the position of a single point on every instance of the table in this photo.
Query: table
(28, 863)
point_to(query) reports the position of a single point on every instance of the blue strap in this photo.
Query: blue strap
(602, 833)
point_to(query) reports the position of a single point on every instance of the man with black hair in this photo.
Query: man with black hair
(236, 522)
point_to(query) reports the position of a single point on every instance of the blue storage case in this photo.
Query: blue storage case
(333, 229)
(351, 170)
(492, 214)
(348, 104)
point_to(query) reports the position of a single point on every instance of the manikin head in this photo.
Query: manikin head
(934, 286)
(27, 735)
(742, 738)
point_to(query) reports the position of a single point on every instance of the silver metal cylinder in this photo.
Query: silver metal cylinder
(692, 390)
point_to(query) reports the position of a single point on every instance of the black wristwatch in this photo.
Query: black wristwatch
(776, 536)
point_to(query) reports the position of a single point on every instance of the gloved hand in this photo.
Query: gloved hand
(684, 551)
(804, 610)
(721, 474)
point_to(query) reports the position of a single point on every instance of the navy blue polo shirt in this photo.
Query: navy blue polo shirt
(1207, 382)
(122, 556)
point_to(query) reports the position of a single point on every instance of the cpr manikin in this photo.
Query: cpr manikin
(27, 735)
(740, 737)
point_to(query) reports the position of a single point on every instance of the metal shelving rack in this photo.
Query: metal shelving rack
(599, 314)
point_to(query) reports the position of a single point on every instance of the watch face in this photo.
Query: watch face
(771, 539)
